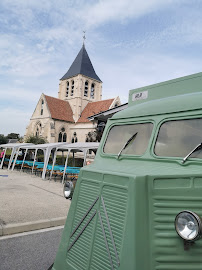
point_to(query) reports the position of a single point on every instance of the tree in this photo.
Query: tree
(13, 136)
(35, 140)
(3, 139)
(96, 135)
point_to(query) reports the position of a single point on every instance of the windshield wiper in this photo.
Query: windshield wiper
(198, 147)
(127, 143)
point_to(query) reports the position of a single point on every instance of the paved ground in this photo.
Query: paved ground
(28, 200)
(30, 251)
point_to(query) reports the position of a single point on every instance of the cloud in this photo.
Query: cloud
(13, 120)
(117, 10)
(40, 39)
(143, 70)
(8, 95)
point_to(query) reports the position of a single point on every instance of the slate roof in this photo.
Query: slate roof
(81, 65)
(59, 109)
(94, 108)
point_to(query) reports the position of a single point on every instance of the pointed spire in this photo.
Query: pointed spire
(81, 65)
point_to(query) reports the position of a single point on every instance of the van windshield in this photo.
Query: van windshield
(119, 135)
(178, 138)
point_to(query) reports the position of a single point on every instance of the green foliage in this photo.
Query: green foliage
(95, 136)
(35, 140)
(21, 139)
(3, 139)
(13, 136)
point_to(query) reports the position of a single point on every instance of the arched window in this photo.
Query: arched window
(42, 103)
(72, 90)
(62, 137)
(38, 130)
(67, 90)
(74, 138)
(86, 89)
(92, 91)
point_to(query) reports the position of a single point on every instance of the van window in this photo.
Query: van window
(178, 138)
(119, 135)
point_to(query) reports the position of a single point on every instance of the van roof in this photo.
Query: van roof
(182, 94)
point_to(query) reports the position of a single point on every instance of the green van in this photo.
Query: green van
(139, 205)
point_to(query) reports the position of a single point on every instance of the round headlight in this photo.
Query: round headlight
(68, 190)
(188, 225)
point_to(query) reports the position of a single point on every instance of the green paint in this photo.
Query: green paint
(142, 194)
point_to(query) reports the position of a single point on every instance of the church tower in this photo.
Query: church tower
(80, 85)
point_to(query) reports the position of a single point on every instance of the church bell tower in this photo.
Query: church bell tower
(80, 85)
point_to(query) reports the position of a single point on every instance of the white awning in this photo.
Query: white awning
(15, 148)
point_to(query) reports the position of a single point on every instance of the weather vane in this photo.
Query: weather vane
(84, 37)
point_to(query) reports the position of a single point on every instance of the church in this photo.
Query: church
(65, 119)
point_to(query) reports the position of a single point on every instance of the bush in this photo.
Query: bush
(35, 140)
(3, 139)
(13, 136)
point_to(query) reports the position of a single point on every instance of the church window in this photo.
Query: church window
(72, 90)
(74, 138)
(92, 92)
(67, 90)
(62, 137)
(38, 130)
(86, 89)
(42, 103)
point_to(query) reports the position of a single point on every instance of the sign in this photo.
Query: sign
(140, 95)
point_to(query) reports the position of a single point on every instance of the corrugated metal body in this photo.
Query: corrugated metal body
(78, 255)
(167, 247)
(99, 245)
(115, 200)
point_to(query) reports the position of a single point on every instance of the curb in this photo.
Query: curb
(31, 226)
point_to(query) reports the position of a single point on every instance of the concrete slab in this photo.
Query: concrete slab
(29, 203)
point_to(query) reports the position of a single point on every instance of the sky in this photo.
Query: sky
(131, 44)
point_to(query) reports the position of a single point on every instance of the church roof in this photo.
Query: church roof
(81, 65)
(59, 109)
(94, 108)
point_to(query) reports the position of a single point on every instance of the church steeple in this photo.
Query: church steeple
(80, 85)
(81, 65)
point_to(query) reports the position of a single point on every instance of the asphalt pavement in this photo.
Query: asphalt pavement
(29, 203)
(29, 251)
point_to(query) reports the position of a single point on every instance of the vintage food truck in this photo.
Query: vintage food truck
(139, 205)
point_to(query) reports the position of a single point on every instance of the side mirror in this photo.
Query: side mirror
(68, 190)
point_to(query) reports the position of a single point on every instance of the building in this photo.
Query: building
(80, 95)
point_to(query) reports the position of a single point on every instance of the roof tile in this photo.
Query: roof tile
(59, 109)
(94, 108)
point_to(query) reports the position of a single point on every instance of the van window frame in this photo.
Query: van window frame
(122, 123)
(174, 118)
